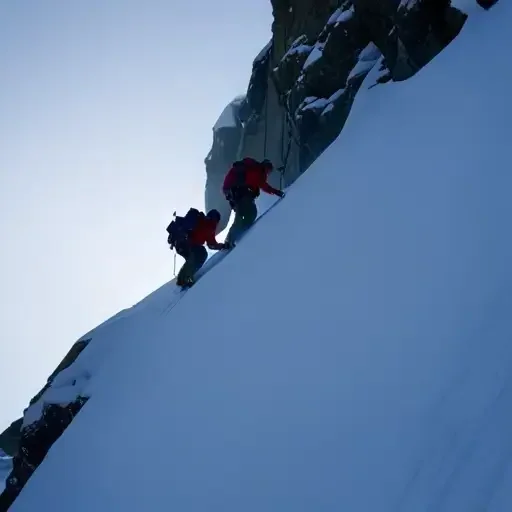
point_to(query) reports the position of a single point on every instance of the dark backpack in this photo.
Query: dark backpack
(181, 227)
(239, 172)
(239, 187)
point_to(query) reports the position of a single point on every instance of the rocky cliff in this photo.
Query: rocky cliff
(28, 439)
(305, 79)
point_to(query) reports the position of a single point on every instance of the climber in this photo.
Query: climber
(241, 187)
(188, 235)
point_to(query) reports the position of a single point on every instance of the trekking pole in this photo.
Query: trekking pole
(174, 250)
(281, 176)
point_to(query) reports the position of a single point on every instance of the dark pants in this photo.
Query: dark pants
(245, 214)
(195, 256)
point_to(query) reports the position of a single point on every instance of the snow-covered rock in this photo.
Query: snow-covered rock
(340, 15)
(315, 55)
(67, 386)
(297, 48)
(368, 57)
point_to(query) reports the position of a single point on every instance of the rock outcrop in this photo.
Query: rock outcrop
(28, 439)
(486, 4)
(305, 79)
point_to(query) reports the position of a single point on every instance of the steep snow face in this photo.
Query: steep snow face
(353, 353)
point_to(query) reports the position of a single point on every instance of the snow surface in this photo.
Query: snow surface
(382, 384)
(324, 104)
(313, 103)
(316, 53)
(327, 109)
(370, 53)
(298, 49)
(368, 57)
(332, 99)
(340, 15)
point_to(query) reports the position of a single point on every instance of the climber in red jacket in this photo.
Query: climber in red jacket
(242, 185)
(188, 235)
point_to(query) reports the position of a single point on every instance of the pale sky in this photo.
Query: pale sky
(106, 110)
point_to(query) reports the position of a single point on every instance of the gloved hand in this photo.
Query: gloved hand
(280, 194)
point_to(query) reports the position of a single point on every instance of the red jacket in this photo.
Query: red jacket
(203, 233)
(255, 176)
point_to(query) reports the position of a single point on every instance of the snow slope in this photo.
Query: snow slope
(370, 372)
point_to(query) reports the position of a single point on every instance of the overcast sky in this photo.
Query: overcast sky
(106, 110)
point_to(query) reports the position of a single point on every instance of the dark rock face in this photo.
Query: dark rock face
(10, 438)
(256, 95)
(486, 4)
(28, 445)
(36, 441)
(293, 18)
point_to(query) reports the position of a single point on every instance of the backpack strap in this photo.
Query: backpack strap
(180, 228)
